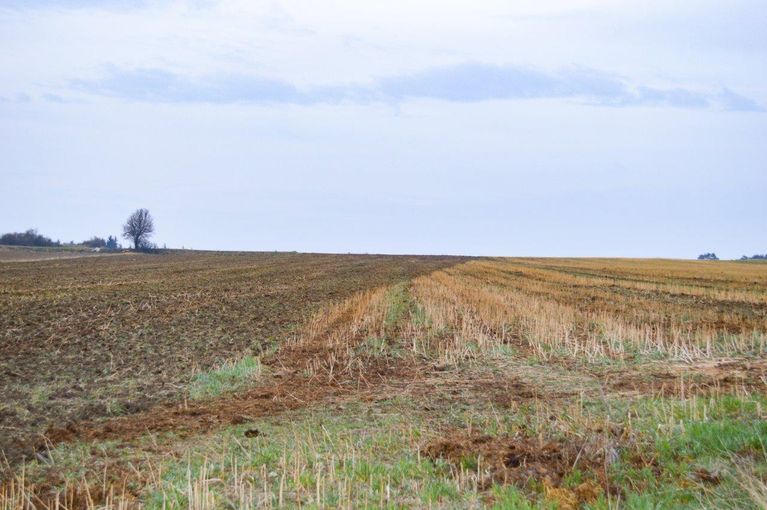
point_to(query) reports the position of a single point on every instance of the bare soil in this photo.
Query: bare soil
(522, 460)
(112, 336)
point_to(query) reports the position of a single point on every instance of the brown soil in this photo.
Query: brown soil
(294, 382)
(699, 378)
(289, 388)
(520, 460)
(104, 336)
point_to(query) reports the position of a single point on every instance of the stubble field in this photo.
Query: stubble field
(283, 380)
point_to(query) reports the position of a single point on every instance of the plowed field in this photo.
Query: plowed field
(284, 380)
(112, 335)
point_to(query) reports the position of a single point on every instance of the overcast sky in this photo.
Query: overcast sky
(578, 127)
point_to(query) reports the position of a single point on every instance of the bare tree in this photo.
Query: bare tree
(139, 228)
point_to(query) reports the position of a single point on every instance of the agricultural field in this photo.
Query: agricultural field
(285, 380)
(112, 335)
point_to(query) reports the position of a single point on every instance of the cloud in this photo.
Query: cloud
(480, 82)
(736, 103)
(677, 97)
(54, 98)
(155, 85)
(464, 83)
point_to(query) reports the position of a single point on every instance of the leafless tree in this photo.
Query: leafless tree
(139, 228)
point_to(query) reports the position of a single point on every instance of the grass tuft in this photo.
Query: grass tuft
(230, 376)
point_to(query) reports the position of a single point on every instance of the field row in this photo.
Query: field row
(592, 309)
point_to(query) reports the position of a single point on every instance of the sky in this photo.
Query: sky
(527, 128)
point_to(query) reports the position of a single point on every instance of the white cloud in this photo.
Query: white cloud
(311, 43)
(469, 82)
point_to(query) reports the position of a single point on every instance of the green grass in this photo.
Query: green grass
(228, 377)
(680, 440)
(369, 456)
(399, 302)
(362, 457)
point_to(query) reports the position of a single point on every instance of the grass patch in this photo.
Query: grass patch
(398, 302)
(688, 453)
(387, 343)
(359, 458)
(229, 377)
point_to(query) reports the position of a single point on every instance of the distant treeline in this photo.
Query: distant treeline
(138, 229)
(110, 243)
(28, 238)
(712, 256)
(32, 238)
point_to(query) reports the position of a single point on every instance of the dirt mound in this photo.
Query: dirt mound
(520, 460)
(708, 377)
